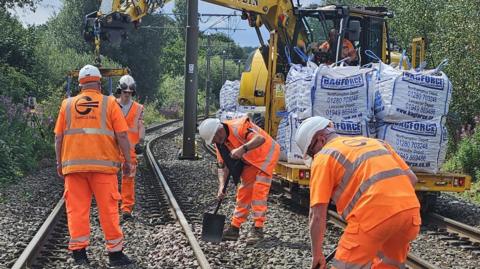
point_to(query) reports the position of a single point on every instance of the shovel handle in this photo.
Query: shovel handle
(331, 255)
(224, 190)
(328, 258)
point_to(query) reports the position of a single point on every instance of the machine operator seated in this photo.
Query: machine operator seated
(325, 53)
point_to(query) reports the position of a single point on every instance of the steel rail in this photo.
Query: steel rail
(157, 126)
(413, 261)
(33, 248)
(197, 250)
(472, 233)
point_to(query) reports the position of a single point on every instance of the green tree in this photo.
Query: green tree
(18, 3)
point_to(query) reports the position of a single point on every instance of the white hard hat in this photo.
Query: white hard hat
(89, 73)
(127, 80)
(208, 128)
(307, 130)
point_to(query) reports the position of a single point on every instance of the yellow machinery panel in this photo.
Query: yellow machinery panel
(445, 182)
(254, 81)
(106, 72)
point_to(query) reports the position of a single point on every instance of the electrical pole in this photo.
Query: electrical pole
(223, 67)
(191, 82)
(239, 73)
(207, 80)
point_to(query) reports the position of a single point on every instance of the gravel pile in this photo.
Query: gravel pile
(287, 242)
(25, 206)
(458, 209)
(160, 243)
(151, 242)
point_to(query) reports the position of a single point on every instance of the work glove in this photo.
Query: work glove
(138, 148)
(127, 168)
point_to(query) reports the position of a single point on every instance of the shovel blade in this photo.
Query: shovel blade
(212, 229)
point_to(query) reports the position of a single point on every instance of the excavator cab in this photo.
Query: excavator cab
(364, 27)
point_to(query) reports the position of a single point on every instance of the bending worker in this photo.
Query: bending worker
(87, 131)
(373, 189)
(347, 48)
(133, 113)
(259, 152)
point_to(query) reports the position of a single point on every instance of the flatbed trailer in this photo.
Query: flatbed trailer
(296, 178)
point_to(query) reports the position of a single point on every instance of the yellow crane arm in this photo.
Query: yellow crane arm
(114, 17)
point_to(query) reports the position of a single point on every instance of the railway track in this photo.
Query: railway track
(413, 261)
(48, 245)
(455, 233)
(197, 250)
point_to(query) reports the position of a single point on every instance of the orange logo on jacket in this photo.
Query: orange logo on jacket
(355, 142)
(84, 105)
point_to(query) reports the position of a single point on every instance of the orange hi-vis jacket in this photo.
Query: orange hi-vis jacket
(365, 178)
(133, 117)
(88, 123)
(240, 131)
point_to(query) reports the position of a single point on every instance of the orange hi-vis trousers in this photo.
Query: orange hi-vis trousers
(384, 246)
(128, 188)
(252, 194)
(78, 197)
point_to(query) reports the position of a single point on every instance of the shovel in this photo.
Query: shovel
(212, 228)
(328, 258)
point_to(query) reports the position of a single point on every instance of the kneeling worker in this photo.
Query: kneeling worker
(373, 189)
(133, 113)
(259, 152)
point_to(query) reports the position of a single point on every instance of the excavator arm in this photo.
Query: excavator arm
(116, 17)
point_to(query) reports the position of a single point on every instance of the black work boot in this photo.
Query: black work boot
(255, 236)
(117, 258)
(231, 234)
(80, 256)
(127, 216)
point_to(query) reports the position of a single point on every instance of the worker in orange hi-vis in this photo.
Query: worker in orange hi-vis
(348, 50)
(133, 113)
(89, 134)
(373, 189)
(259, 153)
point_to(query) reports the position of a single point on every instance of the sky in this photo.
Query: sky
(245, 37)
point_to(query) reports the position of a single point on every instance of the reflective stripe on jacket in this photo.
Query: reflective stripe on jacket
(133, 118)
(264, 157)
(365, 178)
(89, 143)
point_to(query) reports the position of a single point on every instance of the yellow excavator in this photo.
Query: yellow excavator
(292, 30)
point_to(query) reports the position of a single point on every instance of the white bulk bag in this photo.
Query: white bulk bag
(410, 95)
(229, 94)
(422, 144)
(343, 92)
(298, 89)
(355, 128)
(286, 134)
